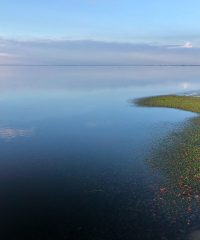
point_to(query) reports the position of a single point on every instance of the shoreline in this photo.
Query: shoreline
(187, 103)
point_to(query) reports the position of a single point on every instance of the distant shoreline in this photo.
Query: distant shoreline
(99, 65)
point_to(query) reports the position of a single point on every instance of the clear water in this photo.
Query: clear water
(73, 151)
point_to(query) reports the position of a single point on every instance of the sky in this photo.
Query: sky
(29, 25)
(110, 20)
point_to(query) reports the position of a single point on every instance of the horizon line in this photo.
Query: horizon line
(99, 65)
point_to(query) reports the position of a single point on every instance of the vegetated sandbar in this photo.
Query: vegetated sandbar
(188, 103)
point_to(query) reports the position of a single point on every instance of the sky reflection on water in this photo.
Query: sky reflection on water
(93, 78)
(78, 169)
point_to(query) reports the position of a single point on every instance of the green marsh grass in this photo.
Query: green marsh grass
(187, 103)
(177, 157)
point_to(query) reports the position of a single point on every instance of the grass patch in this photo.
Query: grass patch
(187, 103)
(177, 157)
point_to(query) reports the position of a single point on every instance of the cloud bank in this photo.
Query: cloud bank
(56, 52)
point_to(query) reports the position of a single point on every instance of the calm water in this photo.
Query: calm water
(74, 149)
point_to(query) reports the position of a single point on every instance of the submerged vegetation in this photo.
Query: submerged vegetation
(177, 157)
(188, 103)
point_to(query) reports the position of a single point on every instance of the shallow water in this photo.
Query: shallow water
(74, 150)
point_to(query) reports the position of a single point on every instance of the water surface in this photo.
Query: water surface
(74, 151)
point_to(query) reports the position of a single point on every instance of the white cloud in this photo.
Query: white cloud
(176, 46)
(9, 133)
(7, 58)
(185, 85)
(187, 45)
(3, 54)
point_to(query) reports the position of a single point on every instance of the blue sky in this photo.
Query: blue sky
(99, 32)
(170, 21)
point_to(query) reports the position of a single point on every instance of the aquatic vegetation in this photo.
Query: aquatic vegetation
(188, 103)
(177, 157)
